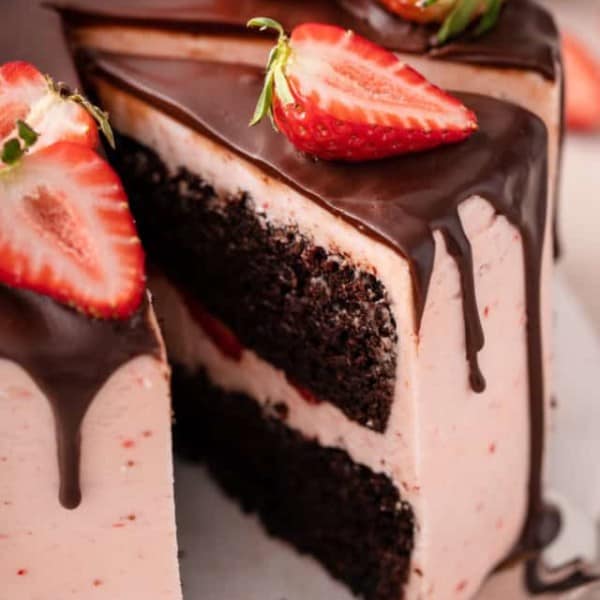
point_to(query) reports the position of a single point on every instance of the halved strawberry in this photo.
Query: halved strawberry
(66, 232)
(338, 96)
(25, 94)
(582, 71)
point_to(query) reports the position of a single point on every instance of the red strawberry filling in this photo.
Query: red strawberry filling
(220, 335)
(229, 344)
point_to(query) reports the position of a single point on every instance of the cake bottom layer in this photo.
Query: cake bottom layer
(351, 519)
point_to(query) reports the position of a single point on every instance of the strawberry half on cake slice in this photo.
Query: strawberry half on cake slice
(338, 96)
(85, 461)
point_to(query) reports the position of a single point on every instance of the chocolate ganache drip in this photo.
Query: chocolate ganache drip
(70, 357)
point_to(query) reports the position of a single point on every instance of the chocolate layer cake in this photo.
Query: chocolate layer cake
(360, 352)
(327, 324)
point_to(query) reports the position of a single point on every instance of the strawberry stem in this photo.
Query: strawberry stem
(276, 83)
(100, 116)
(463, 13)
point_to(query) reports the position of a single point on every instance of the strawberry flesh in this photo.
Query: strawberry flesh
(355, 101)
(68, 232)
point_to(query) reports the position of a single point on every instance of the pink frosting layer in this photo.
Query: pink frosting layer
(121, 541)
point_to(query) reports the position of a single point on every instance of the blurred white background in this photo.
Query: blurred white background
(580, 203)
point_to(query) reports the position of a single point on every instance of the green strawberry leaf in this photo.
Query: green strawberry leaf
(458, 20)
(12, 152)
(490, 17)
(462, 14)
(276, 83)
(27, 133)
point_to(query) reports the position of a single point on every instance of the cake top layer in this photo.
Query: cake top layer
(525, 36)
(400, 200)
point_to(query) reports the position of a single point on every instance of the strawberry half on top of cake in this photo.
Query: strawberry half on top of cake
(86, 500)
(352, 299)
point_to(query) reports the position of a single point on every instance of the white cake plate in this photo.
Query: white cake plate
(225, 555)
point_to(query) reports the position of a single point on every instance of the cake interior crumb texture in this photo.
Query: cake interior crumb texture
(310, 312)
(353, 520)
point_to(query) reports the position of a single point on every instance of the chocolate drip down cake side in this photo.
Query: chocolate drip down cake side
(359, 343)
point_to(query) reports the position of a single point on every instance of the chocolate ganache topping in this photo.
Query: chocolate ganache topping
(525, 36)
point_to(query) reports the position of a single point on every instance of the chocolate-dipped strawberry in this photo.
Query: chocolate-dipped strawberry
(338, 96)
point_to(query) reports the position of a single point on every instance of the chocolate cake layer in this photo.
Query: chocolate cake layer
(321, 319)
(524, 38)
(353, 520)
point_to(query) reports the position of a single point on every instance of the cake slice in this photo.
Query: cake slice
(518, 60)
(326, 323)
(86, 494)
